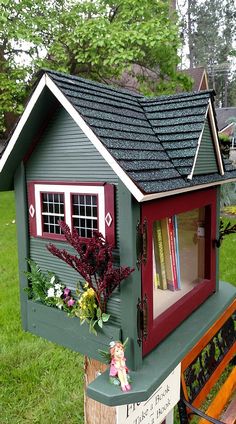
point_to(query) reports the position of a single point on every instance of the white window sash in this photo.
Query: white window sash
(67, 190)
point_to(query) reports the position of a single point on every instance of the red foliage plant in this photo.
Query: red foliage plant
(93, 262)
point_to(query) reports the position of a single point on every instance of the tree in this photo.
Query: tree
(25, 30)
(97, 39)
(210, 33)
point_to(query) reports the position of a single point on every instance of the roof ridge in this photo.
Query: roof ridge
(176, 96)
(86, 81)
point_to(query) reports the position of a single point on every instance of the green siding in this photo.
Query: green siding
(64, 153)
(206, 162)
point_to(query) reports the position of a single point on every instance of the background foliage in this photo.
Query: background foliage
(96, 39)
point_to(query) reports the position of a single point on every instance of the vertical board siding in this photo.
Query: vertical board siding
(64, 153)
(206, 161)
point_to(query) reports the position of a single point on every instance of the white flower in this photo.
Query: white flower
(52, 281)
(51, 292)
(59, 305)
(57, 286)
(59, 293)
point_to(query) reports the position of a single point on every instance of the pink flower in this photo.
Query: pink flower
(71, 302)
(66, 292)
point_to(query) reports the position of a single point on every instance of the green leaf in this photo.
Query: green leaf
(105, 317)
(100, 323)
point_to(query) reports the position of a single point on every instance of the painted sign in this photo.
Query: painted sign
(156, 408)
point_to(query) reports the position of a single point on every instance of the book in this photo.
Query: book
(176, 240)
(172, 285)
(167, 253)
(159, 255)
(156, 275)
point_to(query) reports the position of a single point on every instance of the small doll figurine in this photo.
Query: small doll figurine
(117, 365)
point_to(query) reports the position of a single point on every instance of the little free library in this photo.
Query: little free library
(144, 174)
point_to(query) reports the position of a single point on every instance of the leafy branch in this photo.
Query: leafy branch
(93, 261)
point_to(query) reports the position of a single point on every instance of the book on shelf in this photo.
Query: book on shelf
(159, 260)
(167, 252)
(176, 240)
(172, 285)
(156, 274)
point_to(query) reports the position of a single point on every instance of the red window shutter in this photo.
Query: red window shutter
(110, 213)
(32, 209)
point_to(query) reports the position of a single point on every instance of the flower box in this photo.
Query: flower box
(54, 325)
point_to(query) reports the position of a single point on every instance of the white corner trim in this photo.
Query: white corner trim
(94, 139)
(22, 121)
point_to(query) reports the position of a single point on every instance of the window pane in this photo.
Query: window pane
(52, 212)
(178, 257)
(84, 214)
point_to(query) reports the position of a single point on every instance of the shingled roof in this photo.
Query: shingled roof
(153, 140)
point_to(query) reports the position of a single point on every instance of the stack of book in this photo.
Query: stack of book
(166, 262)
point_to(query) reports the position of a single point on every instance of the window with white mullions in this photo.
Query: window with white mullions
(85, 214)
(52, 212)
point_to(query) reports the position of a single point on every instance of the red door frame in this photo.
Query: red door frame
(159, 328)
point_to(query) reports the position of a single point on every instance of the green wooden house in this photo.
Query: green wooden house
(153, 167)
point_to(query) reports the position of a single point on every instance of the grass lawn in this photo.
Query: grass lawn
(40, 382)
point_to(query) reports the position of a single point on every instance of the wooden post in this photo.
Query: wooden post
(96, 412)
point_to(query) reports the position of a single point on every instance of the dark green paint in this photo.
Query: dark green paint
(56, 326)
(206, 162)
(64, 153)
(22, 237)
(129, 215)
(38, 118)
(168, 354)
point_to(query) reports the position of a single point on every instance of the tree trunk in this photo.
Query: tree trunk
(190, 31)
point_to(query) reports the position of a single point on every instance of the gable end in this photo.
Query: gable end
(208, 158)
(206, 162)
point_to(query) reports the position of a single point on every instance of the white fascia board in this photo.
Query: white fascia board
(94, 139)
(215, 138)
(225, 128)
(22, 121)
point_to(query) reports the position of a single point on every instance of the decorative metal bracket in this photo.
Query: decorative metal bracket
(141, 243)
(142, 319)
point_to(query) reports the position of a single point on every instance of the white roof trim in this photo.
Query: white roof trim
(216, 140)
(225, 128)
(209, 113)
(22, 121)
(94, 139)
(204, 75)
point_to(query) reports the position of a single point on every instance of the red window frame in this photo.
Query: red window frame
(151, 211)
(109, 208)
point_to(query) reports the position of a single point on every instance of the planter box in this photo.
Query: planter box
(56, 326)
